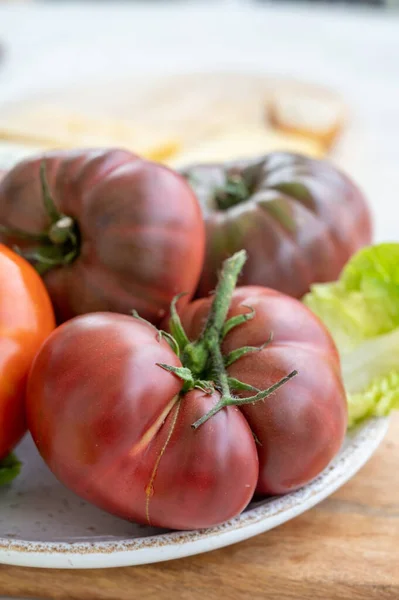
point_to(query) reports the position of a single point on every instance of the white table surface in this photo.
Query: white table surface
(50, 45)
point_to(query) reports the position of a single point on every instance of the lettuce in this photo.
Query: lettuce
(361, 311)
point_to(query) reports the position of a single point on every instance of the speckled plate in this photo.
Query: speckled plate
(42, 524)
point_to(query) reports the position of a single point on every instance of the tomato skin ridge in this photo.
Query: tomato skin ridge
(149, 490)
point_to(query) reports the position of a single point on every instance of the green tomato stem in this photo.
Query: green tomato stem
(57, 245)
(234, 355)
(235, 191)
(204, 366)
(237, 320)
(61, 231)
(52, 211)
(197, 355)
(229, 401)
(220, 370)
(23, 235)
(232, 268)
(175, 324)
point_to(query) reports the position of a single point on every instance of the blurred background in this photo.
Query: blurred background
(183, 81)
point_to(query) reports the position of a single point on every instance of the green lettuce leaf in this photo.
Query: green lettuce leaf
(361, 310)
(10, 467)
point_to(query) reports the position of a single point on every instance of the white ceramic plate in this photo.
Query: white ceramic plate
(42, 524)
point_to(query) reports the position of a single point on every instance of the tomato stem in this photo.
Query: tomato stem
(49, 204)
(240, 386)
(176, 327)
(237, 320)
(183, 373)
(229, 401)
(59, 244)
(198, 354)
(234, 192)
(232, 268)
(240, 352)
(61, 230)
(220, 370)
(23, 235)
(161, 335)
(204, 365)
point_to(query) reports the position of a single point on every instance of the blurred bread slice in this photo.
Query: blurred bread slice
(196, 107)
(246, 142)
(312, 111)
(53, 127)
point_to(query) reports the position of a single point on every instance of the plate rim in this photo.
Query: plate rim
(178, 544)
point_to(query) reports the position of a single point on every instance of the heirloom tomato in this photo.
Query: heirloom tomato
(300, 219)
(107, 230)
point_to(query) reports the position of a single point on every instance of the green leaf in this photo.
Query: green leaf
(361, 310)
(10, 467)
(380, 398)
(364, 302)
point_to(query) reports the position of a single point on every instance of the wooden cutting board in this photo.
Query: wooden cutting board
(346, 548)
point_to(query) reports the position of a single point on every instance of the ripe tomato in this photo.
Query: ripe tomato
(302, 426)
(110, 231)
(26, 319)
(111, 426)
(299, 219)
(112, 419)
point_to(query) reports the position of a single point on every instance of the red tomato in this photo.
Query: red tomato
(299, 219)
(117, 233)
(108, 412)
(302, 425)
(26, 319)
(112, 427)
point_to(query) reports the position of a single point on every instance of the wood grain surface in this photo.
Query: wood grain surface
(346, 548)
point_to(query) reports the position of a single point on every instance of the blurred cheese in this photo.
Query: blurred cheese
(314, 112)
(246, 142)
(53, 127)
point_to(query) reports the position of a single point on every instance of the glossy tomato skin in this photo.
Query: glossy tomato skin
(300, 427)
(140, 226)
(26, 319)
(111, 425)
(300, 222)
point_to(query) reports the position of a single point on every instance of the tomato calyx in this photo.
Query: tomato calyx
(203, 364)
(58, 245)
(235, 191)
